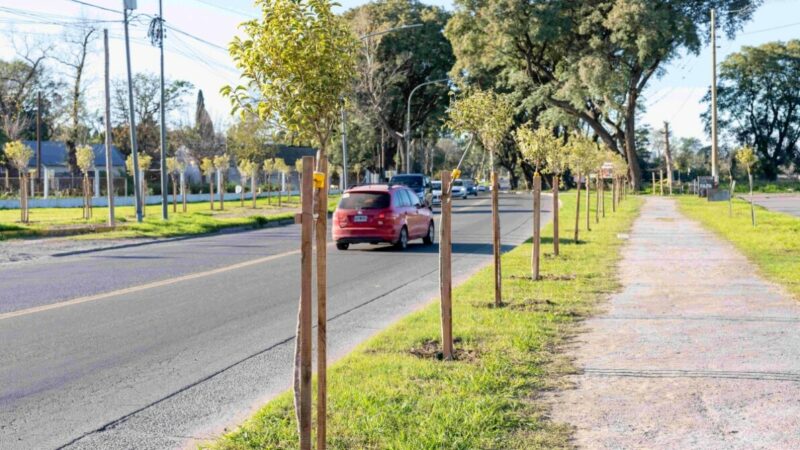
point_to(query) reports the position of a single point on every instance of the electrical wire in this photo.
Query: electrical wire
(224, 8)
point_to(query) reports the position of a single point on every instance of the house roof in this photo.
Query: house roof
(54, 154)
(292, 154)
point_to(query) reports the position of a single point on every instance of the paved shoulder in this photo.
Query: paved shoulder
(785, 203)
(697, 351)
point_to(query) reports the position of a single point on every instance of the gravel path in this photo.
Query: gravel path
(696, 351)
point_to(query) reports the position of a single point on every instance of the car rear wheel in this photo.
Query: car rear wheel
(342, 245)
(402, 242)
(428, 239)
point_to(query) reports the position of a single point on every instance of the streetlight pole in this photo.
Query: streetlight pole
(714, 149)
(407, 133)
(131, 5)
(344, 113)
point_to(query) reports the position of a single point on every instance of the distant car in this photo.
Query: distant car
(381, 213)
(471, 188)
(459, 190)
(482, 188)
(436, 193)
(417, 182)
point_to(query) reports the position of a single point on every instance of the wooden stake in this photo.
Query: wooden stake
(597, 199)
(445, 275)
(602, 182)
(322, 302)
(614, 194)
(253, 189)
(588, 203)
(654, 183)
(578, 208)
(537, 225)
(498, 279)
(661, 182)
(555, 214)
(302, 367)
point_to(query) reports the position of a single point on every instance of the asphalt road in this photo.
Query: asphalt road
(785, 203)
(160, 345)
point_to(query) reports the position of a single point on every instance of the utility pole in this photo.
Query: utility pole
(668, 156)
(714, 149)
(156, 34)
(109, 173)
(39, 135)
(131, 5)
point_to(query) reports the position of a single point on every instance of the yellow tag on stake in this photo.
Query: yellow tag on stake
(319, 180)
(456, 174)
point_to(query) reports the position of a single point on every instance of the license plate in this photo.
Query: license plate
(359, 219)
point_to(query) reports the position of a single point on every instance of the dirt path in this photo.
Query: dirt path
(696, 352)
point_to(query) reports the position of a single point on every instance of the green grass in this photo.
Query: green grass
(381, 396)
(773, 245)
(197, 219)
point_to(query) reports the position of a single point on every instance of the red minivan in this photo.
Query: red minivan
(381, 213)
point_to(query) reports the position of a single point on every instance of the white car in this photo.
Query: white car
(436, 193)
(459, 189)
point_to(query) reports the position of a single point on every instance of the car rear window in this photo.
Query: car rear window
(458, 183)
(437, 184)
(407, 180)
(364, 200)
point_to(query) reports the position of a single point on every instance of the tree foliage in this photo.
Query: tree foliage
(485, 115)
(84, 158)
(18, 154)
(296, 61)
(589, 59)
(759, 102)
(535, 144)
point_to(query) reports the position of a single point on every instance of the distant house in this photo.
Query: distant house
(291, 154)
(54, 157)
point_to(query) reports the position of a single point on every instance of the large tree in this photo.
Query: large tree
(147, 104)
(392, 64)
(759, 102)
(590, 59)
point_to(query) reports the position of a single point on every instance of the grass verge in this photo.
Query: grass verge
(392, 392)
(773, 245)
(198, 219)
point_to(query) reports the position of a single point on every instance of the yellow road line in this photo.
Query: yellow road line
(142, 287)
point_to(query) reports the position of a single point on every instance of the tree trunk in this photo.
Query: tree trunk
(241, 198)
(555, 215)
(603, 196)
(174, 194)
(578, 208)
(634, 171)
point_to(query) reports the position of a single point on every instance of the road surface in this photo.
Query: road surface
(785, 203)
(160, 345)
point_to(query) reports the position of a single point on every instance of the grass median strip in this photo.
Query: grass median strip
(394, 392)
(773, 245)
(198, 219)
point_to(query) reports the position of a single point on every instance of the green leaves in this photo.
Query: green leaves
(485, 115)
(535, 145)
(18, 154)
(84, 156)
(296, 63)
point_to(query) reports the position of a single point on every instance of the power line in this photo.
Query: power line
(92, 5)
(224, 8)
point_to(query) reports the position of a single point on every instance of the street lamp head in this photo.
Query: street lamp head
(129, 4)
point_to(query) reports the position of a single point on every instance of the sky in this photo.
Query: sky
(199, 56)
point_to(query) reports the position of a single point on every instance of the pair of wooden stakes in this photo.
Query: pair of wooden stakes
(313, 219)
